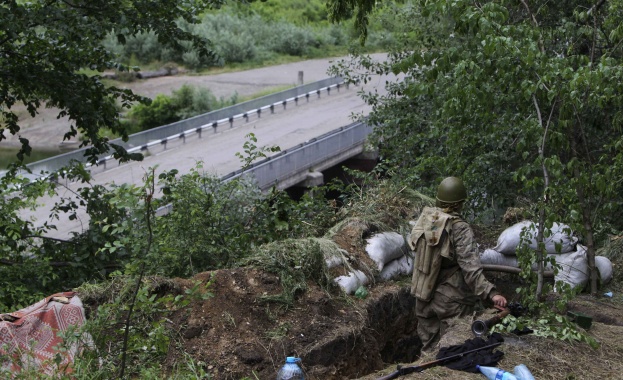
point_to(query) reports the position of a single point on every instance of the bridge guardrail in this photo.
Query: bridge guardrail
(271, 170)
(211, 120)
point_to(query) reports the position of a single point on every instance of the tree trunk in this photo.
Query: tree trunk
(586, 219)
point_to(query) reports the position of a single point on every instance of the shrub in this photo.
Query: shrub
(236, 48)
(292, 40)
(160, 111)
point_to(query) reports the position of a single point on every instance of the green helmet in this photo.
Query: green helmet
(451, 190)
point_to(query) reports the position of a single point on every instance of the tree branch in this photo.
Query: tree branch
(536, 24)
(49, 238)
(596, 7)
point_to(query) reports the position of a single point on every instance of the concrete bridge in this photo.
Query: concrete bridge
(311, 123)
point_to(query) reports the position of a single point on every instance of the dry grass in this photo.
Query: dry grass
(547, 359)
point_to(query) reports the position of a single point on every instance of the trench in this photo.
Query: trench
(387, 336)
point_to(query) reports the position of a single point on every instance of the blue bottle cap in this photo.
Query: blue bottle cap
(292, 359)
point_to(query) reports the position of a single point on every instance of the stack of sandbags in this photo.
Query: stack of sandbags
(388, 250)
(559, 244)
(385, 247)
(399, 267)
(559, 236)
(390, 253)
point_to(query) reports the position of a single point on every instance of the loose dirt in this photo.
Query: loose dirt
(237, 335)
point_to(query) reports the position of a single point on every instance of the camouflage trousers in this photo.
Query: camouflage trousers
(431, 317)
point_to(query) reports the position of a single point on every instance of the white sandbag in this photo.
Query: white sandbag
(352, 281)
(508, 241)
(604, 267)
(509, 238)
(492, 257)
(573, 267)
(333, 260)
(396, 268)
(385, 247)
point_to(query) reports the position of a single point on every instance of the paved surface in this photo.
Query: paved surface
(285, 128)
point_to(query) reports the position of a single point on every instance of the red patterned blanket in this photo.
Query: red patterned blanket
(30, 339)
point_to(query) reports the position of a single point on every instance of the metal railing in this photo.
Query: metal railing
(196, 125)
(271, 171)
(306, 156)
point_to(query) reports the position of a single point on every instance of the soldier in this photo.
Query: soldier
(447, 275)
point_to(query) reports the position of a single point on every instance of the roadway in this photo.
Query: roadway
(285, 128)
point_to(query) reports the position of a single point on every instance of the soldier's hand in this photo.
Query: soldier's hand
(499, 300)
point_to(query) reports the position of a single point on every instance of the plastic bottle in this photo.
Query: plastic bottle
(522, 372)
(291, 370)
(494, 373)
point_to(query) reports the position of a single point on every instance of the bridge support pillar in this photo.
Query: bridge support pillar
(307, 186)
(365, 161)
(313, 179)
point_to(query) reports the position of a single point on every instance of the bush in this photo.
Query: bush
(292, 40)
(236, 48)
(160, 111)
(187, 101)
(238, 36)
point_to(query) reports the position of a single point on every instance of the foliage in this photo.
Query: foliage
(151, 335)
(548, 324)
(296, 262)
(45, 44)
(252, 34)
(185, 102)
(216, 223)
(518, 100)
(298, 12)
(382, 202)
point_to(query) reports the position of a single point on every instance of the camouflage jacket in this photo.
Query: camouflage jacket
(468, 284)
(454, 269)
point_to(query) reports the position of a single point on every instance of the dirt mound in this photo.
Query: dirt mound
(236, 333)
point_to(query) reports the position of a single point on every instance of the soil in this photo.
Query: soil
(237, 335)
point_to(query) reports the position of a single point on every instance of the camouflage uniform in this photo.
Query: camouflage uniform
(458, 287)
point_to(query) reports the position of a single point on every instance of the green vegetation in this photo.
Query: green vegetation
(187, 101)
(522, 102)
(248, 36)
(46, 44)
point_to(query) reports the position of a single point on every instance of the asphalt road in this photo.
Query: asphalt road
(286, 128)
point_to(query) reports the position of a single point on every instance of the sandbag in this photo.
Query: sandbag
(352, 281)
(396, 268)
(385, 247)
(333, 260)
(573, 267)
(604, 267)
(492, 257)
(508, 241)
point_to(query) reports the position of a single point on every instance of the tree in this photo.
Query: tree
(46, 50)
(511, 92)
(46, 45)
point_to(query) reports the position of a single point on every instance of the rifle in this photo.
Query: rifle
(401, 371)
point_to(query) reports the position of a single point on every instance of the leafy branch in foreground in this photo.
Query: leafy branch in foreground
(46, 44)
